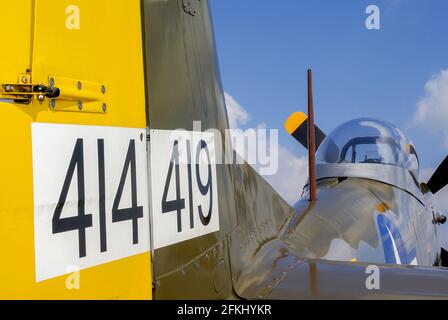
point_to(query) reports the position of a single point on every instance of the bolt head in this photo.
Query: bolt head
(41, 97)
(103, 89)
(51, 82)
(52, 104)
(80, 105)
(79, 85)
(104, 107)
(24, 79)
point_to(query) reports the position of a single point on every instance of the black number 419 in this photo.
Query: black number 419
(178, 204)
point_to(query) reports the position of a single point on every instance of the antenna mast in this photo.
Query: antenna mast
(311, 139)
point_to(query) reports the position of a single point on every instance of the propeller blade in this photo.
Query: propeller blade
(440, 177)
(297, 126)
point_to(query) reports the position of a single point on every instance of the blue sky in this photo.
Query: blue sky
(265, 48)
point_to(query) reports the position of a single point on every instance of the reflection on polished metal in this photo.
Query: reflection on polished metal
(389, 174)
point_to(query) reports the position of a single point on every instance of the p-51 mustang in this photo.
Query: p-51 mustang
(96, 202)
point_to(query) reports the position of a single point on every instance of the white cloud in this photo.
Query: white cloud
(432, 115)
(432, 108)
(292, 171)
(237, 114)
(291, 176)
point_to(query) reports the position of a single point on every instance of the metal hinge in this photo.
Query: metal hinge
(24, 91)
(63, 94)
(79, 95)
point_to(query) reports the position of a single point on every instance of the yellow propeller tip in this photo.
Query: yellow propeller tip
(294, 121)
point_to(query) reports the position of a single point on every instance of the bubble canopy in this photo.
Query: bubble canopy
(369, 141)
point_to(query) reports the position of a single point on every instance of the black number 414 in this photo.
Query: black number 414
(83, 220)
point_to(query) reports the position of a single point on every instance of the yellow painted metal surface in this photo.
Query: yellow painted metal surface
(15, 55)
(105, 49)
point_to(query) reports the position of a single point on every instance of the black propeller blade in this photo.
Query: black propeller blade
(440, 177)
(297, 126)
